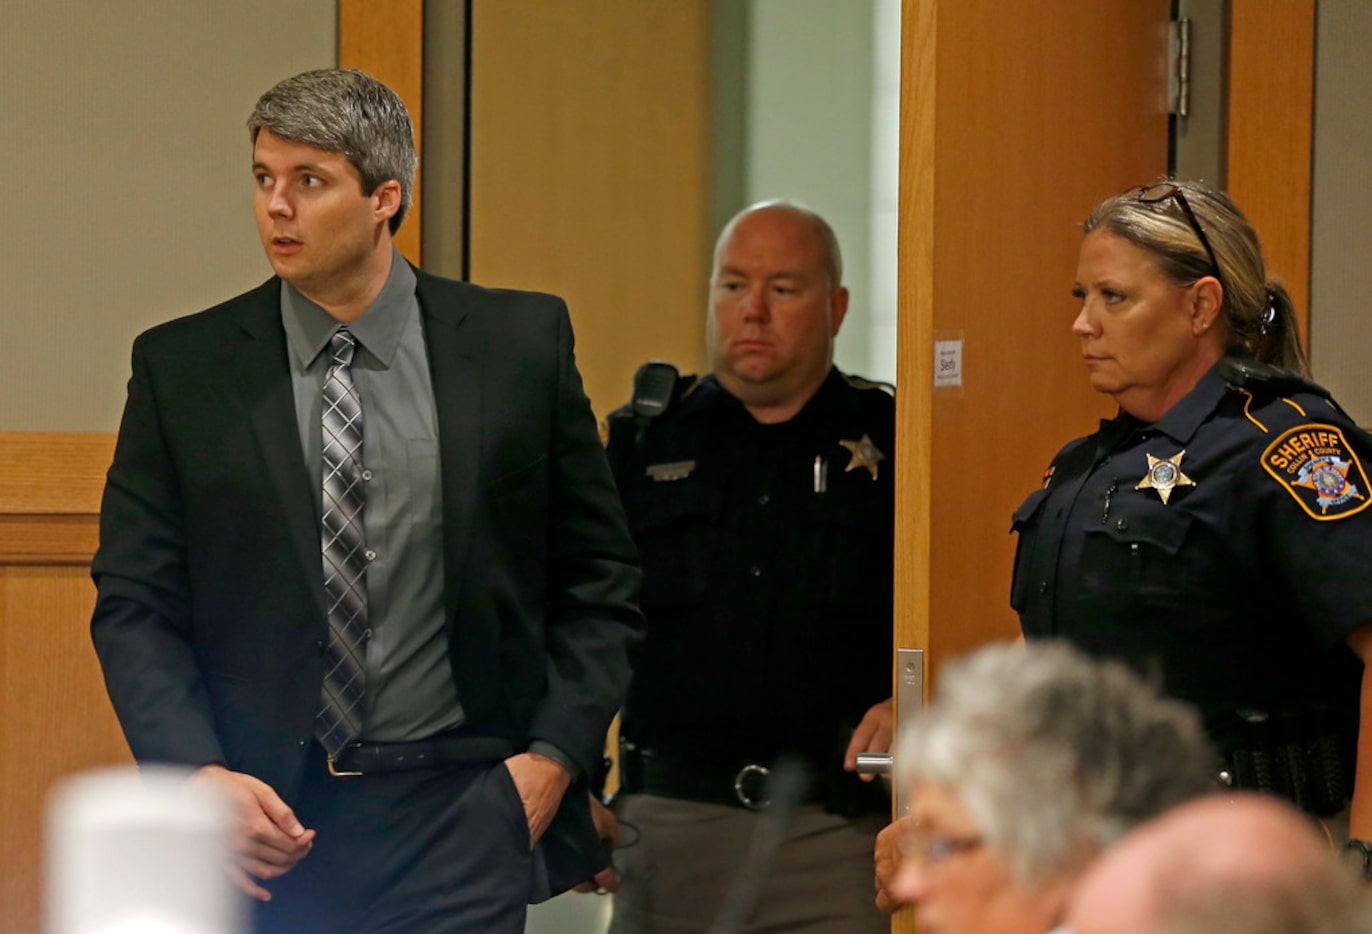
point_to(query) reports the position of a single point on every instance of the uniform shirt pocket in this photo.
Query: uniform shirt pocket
(1139, 557)
(852, 555)
(671, 523)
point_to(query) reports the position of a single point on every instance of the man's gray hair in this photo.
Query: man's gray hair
(1054, 755)
(346, 111)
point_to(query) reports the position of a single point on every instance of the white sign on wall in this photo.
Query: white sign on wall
(948, 363)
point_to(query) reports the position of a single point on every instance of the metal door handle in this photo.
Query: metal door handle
(874, 763)
(909, 701)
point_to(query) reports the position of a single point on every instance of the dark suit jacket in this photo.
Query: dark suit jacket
(210, 613)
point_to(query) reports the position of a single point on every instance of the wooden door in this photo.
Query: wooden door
(1016, 119)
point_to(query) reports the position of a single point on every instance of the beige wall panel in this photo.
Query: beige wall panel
(588, 162)
(1271, 113)
(124, 137)
(1016, 120)
(1341, 240)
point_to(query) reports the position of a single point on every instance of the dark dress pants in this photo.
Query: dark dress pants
(430, 850)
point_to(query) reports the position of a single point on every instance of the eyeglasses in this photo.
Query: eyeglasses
(1157, 194)
(933, 849)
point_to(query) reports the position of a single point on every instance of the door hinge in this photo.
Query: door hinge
(1179, 67)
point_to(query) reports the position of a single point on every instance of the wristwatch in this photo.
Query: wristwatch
(1357, 855)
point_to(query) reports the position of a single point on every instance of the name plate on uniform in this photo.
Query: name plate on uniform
(676, 470)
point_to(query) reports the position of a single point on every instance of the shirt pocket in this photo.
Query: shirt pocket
(1024, 524)
(1139, 557)
(422, 497)
(852, 544)
(671, 524)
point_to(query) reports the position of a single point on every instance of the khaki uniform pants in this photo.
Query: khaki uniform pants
(679, 861)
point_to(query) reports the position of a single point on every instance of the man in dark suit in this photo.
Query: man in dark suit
(362, 564)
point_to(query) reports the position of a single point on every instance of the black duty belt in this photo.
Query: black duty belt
(743, 784)
(434, 753)
(1304, 755)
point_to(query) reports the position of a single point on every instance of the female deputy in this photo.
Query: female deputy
(1216, 531)
(1027, 764)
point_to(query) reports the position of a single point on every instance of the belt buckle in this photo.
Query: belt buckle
(336, 772)
(750, 770)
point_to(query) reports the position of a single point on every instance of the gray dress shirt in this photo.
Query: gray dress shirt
(410, 691)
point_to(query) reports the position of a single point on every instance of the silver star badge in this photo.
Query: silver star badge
(865, 454)
(1164, 475)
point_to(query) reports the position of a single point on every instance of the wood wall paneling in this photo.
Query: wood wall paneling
(589, 172)
(53, 473)
(1271, 132)
(54, 714)
(50, 485)
(386, 40)
(57, 719)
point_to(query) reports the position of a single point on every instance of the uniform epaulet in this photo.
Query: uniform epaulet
(1265, 386)
(1253, 377)
(858, 382)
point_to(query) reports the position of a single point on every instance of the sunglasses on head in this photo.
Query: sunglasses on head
(1160, 193)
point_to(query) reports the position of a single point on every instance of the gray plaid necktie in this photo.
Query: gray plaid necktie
(345, 561)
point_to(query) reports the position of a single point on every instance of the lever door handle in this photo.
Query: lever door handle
(874, 763)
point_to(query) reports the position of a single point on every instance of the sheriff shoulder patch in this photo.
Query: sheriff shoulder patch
(1316, 466)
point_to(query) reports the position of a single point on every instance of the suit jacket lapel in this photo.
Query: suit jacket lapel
(264, 384)
(455, 362)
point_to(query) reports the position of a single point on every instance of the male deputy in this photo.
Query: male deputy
(362, 564)
(761, 500)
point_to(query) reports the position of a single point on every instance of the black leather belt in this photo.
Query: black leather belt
(434, 753)
(739, 785)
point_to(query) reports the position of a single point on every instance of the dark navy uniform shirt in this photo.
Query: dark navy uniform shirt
(767, 571)
(1226, 547)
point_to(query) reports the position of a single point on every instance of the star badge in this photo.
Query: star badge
(865, 454)
(1164, 475)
